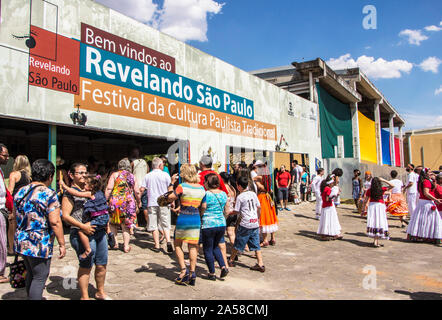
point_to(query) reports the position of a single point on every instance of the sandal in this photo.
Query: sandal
(184, 279)
(272, 242)
(259, 268)
(3, 279)
(264, 244)
(127, 250)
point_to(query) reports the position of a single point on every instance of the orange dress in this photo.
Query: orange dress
(268, 221)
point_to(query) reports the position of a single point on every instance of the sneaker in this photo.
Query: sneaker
(280, 209)
(224, 272)
(259, 268)
(287, 209)
(211, 277)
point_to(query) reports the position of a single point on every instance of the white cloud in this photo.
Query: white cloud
(187, 19)
(438, 91)
(182, 19)
(415, 121)
(431, 64)
(414, 36)
(433, 28)
(376, 69)
(141, 10)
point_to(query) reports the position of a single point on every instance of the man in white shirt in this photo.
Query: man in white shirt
(156, 183)
(411, 187)
(316, 188)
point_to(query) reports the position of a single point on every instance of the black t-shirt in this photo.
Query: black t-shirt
(294, 174)
(77, 210)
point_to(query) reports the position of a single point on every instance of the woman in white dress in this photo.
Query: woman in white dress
(426, 221)
(377, 223)
(329, 227)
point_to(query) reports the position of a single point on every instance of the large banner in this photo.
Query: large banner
(113, 75)
(367, 138)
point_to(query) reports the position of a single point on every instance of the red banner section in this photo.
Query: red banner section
(123, 47)
(54, 61)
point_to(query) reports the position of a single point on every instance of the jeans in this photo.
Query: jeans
(211, 238)
(37, 272)
(99, 247)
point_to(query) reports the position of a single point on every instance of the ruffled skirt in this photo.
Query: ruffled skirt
(425, 223)
(329, 222)
(377, 223)
(268, 221)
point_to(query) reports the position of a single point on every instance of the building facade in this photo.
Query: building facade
(79, 80)
(357, 123)
(424, 147)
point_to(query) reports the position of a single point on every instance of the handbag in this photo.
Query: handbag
(163, 200)
(17, 273)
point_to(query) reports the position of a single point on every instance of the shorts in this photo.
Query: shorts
(159, 217)
(144, 200)
(283, 193)
(99, 246)
(247, 236)
(231, 220)
(294, 190)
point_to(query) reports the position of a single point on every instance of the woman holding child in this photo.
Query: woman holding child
(72, 210)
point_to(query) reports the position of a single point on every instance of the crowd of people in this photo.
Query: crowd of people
(224, 214)
(376, 198)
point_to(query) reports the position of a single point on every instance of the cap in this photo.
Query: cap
(206, 160)
(258, 163)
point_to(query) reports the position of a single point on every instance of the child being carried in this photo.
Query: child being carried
(96, 210)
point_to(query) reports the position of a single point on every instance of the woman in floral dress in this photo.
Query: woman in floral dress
(122, 190)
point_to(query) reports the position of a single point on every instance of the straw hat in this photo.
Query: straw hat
(59, 161)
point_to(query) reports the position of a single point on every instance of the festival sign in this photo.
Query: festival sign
(54, 61)
(123, 47)
(113, 69)
(102, 97)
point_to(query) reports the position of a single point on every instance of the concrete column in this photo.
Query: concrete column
(355, 129)
(401, 146)
(311, 84)
(392, 148)
(52, 151)
(377, 119)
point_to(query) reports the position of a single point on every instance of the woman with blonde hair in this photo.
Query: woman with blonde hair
(188, 224)
(123, 194)
(19, 177)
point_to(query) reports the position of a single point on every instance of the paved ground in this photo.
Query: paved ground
(298, 267)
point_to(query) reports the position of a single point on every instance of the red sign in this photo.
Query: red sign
(54, 61)
(106, 41)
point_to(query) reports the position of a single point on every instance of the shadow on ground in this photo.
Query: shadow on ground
(421, 295)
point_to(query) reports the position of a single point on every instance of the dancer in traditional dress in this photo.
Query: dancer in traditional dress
(396, 204)
(268, 221)
(438, 192)
(329, 227)
(316, 188)
(426, 222)
(377, 223)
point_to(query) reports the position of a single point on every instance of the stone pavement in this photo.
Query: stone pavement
(298, 267)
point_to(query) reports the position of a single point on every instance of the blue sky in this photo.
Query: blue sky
(257, 34)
